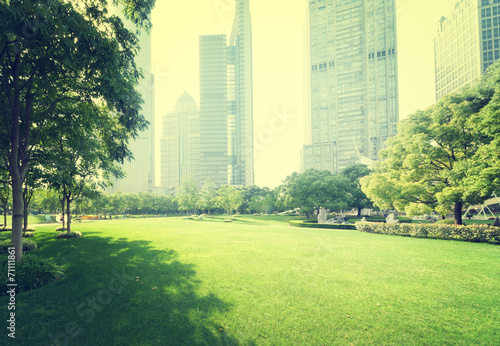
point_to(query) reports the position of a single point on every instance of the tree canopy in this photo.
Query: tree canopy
(314, 189)
(358, 199)
(65, 52)
(229, 198)
(188, 195)
(445, 157)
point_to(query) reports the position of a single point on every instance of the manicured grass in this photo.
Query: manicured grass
(258, 281)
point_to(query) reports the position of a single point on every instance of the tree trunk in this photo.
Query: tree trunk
(17, 217)
(25, 216)
(62, 211)
(307, 215)
(18, 162)
(25, 212)
(359, 211)
(5, 217)
(458, 212)
(68, 213)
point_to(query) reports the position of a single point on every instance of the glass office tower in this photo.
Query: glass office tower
(466, 44)
(226, 104)
(180, 144)
(352, 80)
(140, 172)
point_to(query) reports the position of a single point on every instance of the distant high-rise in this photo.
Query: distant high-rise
(226, 103)
(467, 43)
(140, 172)
(180, 144)
(352, 79)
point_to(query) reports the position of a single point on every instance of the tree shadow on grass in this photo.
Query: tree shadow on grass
(118, 292)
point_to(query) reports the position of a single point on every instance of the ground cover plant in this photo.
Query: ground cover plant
(258, 281)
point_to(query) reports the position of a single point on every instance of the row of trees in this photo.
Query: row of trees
(307, 191)
(68, 97)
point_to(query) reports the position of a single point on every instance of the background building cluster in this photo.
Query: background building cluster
(351, 91)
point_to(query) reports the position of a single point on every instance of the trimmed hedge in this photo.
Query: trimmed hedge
(315, 224)
(474, 233)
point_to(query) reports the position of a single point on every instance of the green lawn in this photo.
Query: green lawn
(259, 281)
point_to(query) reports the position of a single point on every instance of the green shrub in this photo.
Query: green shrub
(70, 234)
(28, 245)
(33, 272)
(228, 220)
(403, 219)
(474, 233)
(445, 222)
(28, 234)
(315, 224)
(30, 229)
(61, 228)
(6, 229)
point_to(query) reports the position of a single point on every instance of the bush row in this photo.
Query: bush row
(473, 233)
(9, 229)
(315, 224)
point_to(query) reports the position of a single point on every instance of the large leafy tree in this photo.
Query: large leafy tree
(64, 51)
(442, 158)
(314, 189)
(208, 195)
(358, 199)
(79, 158)
(188, 195)
(229, 199)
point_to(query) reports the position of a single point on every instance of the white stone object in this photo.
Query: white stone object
(391, 219)
(322, 216)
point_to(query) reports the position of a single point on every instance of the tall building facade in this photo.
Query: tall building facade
(180, 144)
(226, 103)
(466, 44)
(352, 80)
(140, 172)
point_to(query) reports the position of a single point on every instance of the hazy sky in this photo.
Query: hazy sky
(277, 29)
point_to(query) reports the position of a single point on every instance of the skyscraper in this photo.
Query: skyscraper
(241, 163)
(226, 103)
(466, 44)
(213, 109)
(352, 80)
(140, 172)
(180, 144)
